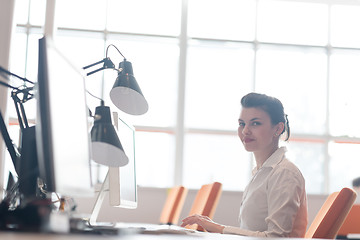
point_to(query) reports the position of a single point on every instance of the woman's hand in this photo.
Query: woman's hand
(205, 222)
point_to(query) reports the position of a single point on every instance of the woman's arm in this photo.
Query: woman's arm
(211, 226)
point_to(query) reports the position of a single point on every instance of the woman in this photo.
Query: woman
(274, 203)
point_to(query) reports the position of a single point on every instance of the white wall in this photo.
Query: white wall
(151, 201)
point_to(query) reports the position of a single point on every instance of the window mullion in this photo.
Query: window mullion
(180, 129)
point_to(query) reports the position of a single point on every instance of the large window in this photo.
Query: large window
(195, 59)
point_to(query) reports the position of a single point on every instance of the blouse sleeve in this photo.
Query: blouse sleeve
(285, 189)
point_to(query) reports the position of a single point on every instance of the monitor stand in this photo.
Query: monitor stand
(91, 225)
(91, 222)
(98, 203)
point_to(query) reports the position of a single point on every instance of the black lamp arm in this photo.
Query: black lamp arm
(7, 85)
(20, 111)
(107, 64)
(14, 153)
(12, 74)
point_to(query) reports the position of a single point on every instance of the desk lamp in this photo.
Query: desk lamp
(25, 161)
(125, 93)
(126, 96)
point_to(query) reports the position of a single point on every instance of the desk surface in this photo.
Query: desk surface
(35, 236)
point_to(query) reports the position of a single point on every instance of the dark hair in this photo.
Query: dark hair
(356, 182)
(271, 106)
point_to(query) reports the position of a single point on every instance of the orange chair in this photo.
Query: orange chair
(205, 202)
(352, 222)
(332, 214)
(173, 205)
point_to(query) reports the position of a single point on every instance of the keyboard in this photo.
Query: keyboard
(123, 228)
(147, 228)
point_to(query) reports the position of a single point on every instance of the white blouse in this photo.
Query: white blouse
(274, 203)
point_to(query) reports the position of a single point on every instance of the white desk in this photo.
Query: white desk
(207, 236)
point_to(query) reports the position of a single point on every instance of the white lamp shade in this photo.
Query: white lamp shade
(108, 155)
(129, 100)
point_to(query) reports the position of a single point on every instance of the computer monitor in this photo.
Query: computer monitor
(62, 136)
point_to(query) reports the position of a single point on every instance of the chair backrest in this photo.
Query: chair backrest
(206, 201)
(332, 214)
(173, 205)
(352, 222)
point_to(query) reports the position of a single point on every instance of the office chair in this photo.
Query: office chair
(173, 205)
(205, 202)
(351, 223)
(332, 214)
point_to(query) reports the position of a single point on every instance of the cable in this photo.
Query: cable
(116, 49)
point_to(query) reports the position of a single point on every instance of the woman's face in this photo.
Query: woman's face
(256, 131)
